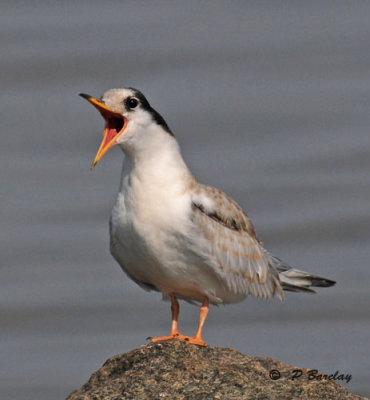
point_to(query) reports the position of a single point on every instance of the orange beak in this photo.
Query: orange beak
(115, 124)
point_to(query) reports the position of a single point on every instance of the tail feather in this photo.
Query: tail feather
(294, 280)
(288, 287)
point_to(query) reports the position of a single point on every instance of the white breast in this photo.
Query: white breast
(151, 229)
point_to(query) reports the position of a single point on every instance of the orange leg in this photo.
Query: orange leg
(174, 334)
(197, 338)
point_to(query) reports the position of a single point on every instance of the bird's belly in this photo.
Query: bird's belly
(159, 267)
(157, 257)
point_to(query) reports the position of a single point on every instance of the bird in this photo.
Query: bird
(175, 235)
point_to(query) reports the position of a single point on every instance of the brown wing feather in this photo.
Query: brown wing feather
(226, 211)
(231, 244)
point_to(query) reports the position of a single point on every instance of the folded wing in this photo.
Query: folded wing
(227, 241)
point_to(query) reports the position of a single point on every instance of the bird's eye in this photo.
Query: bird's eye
(132, 102)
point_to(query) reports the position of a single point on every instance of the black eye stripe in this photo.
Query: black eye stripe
(144, 105)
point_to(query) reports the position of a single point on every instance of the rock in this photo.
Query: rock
(176, 370)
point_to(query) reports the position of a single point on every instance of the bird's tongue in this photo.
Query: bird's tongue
(109, 134)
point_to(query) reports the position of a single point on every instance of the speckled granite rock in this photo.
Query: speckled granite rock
(175, 370)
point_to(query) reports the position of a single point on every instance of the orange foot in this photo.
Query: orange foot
(195, 340)
(175, 336)
(179, 336)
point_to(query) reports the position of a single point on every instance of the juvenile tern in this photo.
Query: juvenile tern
(172, 234)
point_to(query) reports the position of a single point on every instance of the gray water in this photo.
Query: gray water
(269, 101)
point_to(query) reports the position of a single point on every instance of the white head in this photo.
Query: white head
(130, 122)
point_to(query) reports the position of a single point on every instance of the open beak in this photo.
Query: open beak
(115, 124)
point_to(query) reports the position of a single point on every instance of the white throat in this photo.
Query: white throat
(155, 161)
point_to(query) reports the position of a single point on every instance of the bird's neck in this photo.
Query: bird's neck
(159, 164)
